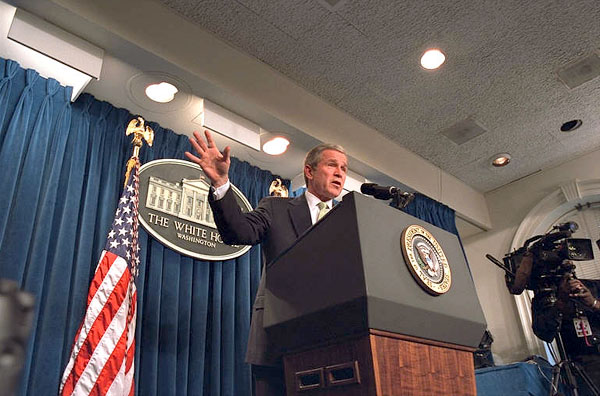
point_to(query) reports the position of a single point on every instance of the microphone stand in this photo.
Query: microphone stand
(401, 199)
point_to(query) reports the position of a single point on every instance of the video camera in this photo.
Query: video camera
(541, 265)
(547, 258)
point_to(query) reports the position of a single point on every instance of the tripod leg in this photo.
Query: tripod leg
(571, 380)
(584, 376)
(555, 380)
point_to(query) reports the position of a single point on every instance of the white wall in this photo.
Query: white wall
(508, 207)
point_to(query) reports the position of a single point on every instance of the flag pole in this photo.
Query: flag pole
(140, 133)
(102, 356)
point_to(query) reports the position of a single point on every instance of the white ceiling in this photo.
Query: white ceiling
(363, 57)
(502, 58)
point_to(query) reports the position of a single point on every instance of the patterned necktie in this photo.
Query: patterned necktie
(323, 209)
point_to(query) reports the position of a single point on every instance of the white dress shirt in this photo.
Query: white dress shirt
(313, 205)
(311, 199)
(220, 192)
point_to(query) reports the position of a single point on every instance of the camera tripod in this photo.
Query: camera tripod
(572, 371)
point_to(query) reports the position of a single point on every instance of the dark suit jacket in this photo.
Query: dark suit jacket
(548, 321)
(276, 223)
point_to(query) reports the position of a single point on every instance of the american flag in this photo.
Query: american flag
(102, 358)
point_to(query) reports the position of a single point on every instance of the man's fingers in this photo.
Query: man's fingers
(197, 135)
(196, 146)
(226, 151)
(209, 139)
(192, 157)
(200, 141)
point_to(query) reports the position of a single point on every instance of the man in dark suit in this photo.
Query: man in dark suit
(550, 320)
(276, 223)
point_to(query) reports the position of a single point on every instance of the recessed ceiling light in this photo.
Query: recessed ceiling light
(162, 92)
(276, 146)
(136, 91)
(570, 126)
(432, 59)
(500, 160)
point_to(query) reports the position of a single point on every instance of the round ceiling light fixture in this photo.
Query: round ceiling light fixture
(500, 160)
(162, 92)
(570, 126)
(276, 146)
(432, 59)
(136, 91)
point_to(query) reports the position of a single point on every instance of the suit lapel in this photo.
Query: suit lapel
(299, 214)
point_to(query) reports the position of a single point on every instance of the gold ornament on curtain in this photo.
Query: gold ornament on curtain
(140, 132)
(277, 189)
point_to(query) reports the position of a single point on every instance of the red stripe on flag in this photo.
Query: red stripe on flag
(115, 361)
(102, 269)
(97, 330)
(101, 323)
(111, 367)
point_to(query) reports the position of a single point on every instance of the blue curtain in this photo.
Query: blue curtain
(438, 214)
(424, 208)
(62, 173)
(433, 212)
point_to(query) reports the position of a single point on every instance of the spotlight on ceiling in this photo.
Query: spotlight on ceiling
(276, 146)
(432, 59)
(570, 126)
(500, 160)
(162, 92)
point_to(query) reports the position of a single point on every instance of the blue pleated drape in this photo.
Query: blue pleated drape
(433, 212)
(424, 208)
(438, 214)
(62, 173)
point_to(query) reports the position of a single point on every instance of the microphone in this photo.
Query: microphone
(570, 226)
(379, 192)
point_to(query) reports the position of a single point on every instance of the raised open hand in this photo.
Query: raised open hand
(214, 163)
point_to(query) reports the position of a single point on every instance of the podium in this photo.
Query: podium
(351, 319)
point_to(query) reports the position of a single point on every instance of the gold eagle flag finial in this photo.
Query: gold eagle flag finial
(278, 189)
(140, 133)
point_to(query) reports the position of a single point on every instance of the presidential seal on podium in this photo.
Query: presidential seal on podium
(426, 260)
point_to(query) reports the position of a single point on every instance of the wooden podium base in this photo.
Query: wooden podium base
(381, 364)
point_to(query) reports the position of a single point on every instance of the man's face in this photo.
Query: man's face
(327, 179)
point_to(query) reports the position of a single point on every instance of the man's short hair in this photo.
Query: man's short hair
(314, 156)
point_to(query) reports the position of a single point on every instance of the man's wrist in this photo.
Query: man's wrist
(596, 305)
(219, 192)
(218, 183)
